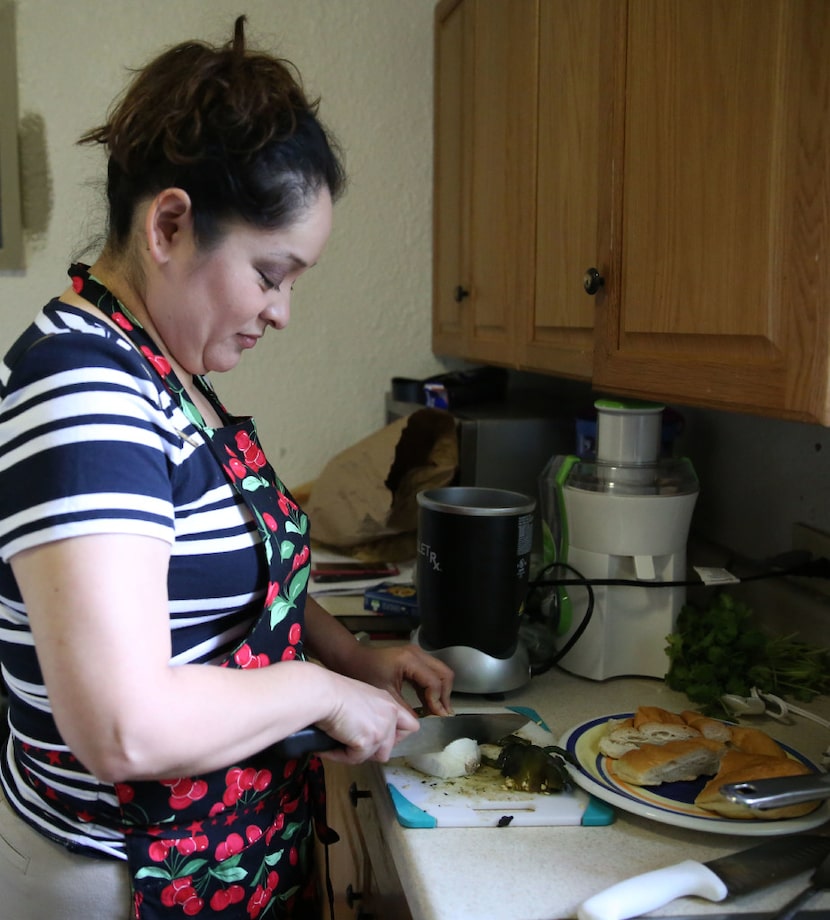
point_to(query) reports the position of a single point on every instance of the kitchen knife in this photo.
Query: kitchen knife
(779, 791)
(733, 875)
(434, 734)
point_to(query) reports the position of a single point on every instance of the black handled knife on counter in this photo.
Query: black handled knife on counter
(728, 876)
(434, 734)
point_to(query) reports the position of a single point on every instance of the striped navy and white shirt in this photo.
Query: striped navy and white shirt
(91, 443)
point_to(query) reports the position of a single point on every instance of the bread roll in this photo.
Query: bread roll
(738, 767)
(649, 725)
(673, 761)
(646, 715)
(754, 741)
(620, 741)
(712, 729)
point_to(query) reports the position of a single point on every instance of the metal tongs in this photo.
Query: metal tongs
(779, 791)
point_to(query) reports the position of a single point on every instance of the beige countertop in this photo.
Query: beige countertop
(544, 873)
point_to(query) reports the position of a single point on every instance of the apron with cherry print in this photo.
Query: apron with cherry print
(236, 843)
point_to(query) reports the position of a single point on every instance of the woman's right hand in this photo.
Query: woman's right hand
(366, 720)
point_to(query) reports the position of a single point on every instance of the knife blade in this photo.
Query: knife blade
(434, 734)
(779, 791)
(727, 876)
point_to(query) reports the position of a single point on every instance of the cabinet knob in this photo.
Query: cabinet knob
(352, 896)
(460, 293)
(592, 281)
(355, 794)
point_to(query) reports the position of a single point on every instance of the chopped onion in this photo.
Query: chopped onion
(460, 758)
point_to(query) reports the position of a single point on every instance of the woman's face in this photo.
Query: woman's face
(208, 307)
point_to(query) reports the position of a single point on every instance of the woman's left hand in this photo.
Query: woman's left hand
(392, 666)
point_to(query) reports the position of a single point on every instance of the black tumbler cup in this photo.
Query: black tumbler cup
(472, 567)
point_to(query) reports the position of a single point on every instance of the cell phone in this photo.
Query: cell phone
(323, 572)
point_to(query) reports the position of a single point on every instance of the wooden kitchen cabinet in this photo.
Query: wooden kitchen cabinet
(485, 124)
(690, 142)
(363, 876)
(515, 207)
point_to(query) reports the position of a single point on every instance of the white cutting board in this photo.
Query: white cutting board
(481, 800)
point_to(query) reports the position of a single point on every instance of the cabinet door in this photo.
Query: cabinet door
(485, 175)
(559, 328)
(450, 280)
(715, 237)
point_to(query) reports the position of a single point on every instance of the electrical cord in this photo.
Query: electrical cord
(812, 568)
(583, 623)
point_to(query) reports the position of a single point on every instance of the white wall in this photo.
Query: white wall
(362, 315)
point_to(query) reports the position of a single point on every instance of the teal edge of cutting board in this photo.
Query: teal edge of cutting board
(597, 814)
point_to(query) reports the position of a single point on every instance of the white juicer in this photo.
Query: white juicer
(624, 517)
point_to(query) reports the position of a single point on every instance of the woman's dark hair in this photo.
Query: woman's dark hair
(230, 126)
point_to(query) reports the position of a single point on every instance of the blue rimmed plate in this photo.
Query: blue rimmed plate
(669, 803)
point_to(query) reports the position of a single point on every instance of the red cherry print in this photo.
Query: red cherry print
(220, 899)
(186, 846)
(77, 284)
(246, 778)
(243, 656)
(252, 833)
(285, 503)
(273, 593)
(159, 362)
(193, 905)
(125, 792)
(262, 780)
(295, 633)
(289, 654)
(158, 850)
(230, 846)
(293, 856)
(238, 468)
(237, 893)
(270, 523)
(120, 320)
(273, 880)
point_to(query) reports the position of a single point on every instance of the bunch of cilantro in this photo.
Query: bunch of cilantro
(720, 650)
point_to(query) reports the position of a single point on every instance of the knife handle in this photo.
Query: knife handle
(651, 890)
(305, 741)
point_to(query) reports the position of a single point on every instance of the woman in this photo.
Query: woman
(156, 632)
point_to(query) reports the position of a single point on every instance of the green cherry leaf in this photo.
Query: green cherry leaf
(298, 582)
(192, 866)
(153, 872)
(286, 550)
(229, 873)
(273, 858)
(192, 413)
(252, 483)
(280, 610)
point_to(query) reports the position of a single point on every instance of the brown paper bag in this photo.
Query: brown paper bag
(364, 501)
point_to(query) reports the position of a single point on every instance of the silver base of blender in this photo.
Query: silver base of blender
(476, 671)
